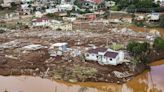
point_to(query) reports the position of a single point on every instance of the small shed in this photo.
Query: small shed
(58, 49)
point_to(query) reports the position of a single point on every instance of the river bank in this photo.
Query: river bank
(74, 71)
(148, 81)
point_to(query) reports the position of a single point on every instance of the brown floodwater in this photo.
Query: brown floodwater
(149, 81)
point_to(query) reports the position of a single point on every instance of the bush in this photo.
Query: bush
(114, 8)
(117, 46)
(138, 23)
(159, 43)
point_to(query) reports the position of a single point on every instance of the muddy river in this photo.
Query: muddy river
(146, 82)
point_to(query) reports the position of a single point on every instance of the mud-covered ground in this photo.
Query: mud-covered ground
(15, 61)
(72, 71)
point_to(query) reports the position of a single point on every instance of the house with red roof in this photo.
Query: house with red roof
(105, 56)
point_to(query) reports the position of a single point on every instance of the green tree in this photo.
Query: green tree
(144, 4)
(138, 49)
(159, 43)
(131, 45)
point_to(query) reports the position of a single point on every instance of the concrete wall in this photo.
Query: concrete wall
(89, 56)
(107, 60)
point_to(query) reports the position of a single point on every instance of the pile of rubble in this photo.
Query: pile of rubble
(125, 31)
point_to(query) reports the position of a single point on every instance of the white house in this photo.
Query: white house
(105, 56)
(64, 7)
(51, 10)
(153, 17)
(40, 22)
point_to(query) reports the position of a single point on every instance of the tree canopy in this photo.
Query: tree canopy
(159, 43)
(135, 4)
(136, 48)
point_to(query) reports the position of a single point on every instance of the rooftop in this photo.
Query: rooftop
(96, 50)
(111, 54)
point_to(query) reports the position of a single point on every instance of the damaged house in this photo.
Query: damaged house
(105, 56)
(57, 49)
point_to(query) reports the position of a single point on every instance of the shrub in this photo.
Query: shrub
(114, 8)
(138, 23)
(117, 46)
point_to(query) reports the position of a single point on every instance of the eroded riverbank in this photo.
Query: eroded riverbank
(149, 81)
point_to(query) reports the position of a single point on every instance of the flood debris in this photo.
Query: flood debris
(124, 74)
(33, 47)
(61, 54)
(10, 44)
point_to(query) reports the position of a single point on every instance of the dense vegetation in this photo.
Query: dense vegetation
(140, 51)
(137, 49)
(159, 43)
(137, 5)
